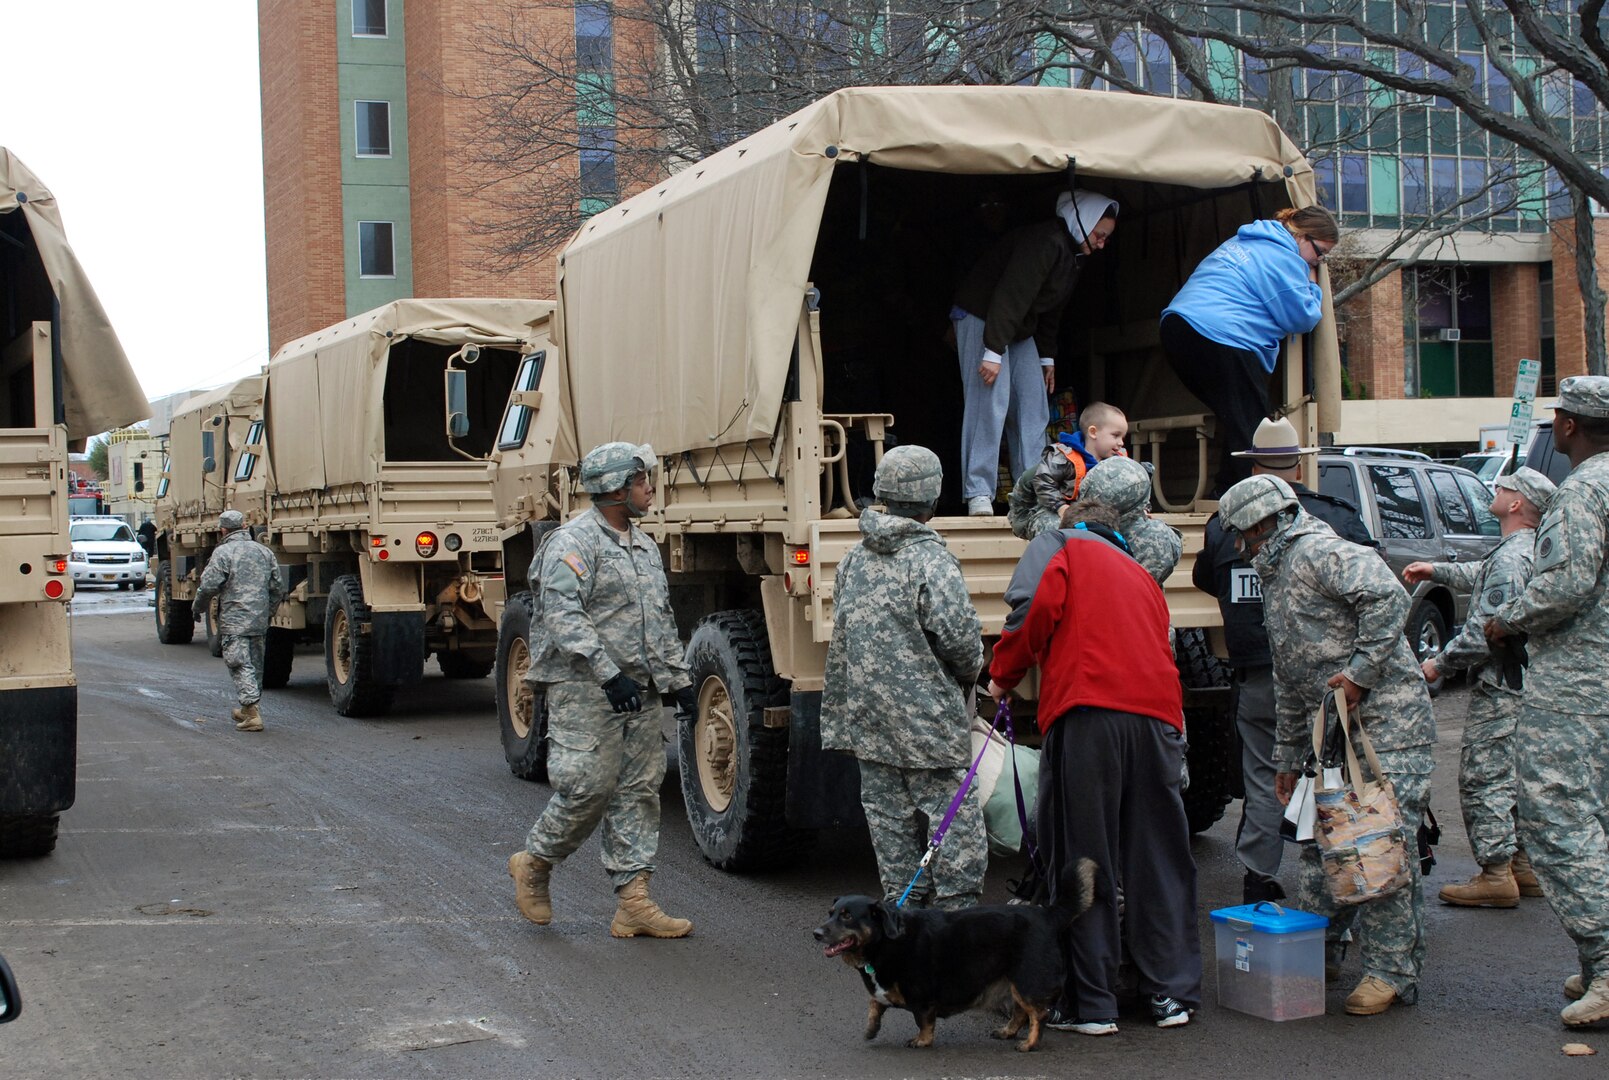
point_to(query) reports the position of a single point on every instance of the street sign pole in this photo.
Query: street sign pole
(1519, 420)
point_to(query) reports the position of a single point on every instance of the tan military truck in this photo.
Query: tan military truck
(379, 499)
(208, 442)
(63, 378)
(772, 318)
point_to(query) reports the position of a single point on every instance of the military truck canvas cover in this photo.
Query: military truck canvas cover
(185, 489)
(99, 388)
(692, 288)
(324, 399)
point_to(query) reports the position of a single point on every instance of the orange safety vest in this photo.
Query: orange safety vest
(1076, 460)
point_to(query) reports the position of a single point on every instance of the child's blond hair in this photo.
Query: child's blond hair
(1099, 414)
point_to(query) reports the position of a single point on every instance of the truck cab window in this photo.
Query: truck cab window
(517, 421)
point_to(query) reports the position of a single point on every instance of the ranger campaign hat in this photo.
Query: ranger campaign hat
(611, 466)
(1254, 499)
(231, 520)
(908, 474)
(1275, 444)
(1119, 482)
(1537, 489)
(1584, 395)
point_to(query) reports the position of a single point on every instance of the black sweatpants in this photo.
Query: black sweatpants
(1229, 381)
(1109, 791)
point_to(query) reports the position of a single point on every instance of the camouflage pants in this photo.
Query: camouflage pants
(1029, 521)
(1486, 790)
(603, 767)
(893, 799)
(1563, 764)
(244, 656)
(1391, 930)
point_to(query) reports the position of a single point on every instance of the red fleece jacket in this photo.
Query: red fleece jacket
(1096, 624)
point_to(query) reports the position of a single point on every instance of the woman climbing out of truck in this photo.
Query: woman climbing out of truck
(1222, 331)
(1007, 316)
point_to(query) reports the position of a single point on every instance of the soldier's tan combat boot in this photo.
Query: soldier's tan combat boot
(530, 876)
(1592, 1007)
(1574, 987)
(1524, 876)
(639, 915)
(1371, 996)
(1493, 887)
(247, 718)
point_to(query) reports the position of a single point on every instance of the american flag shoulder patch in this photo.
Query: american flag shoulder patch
(573, 561)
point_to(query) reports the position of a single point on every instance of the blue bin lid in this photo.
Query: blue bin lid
(1268, 917)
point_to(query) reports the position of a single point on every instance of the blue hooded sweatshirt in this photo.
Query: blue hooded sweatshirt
(1252, 292)
(1075, 439)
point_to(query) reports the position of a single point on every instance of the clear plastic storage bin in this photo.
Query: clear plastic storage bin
(1270, 961)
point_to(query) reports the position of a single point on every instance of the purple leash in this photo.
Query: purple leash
(955, 804)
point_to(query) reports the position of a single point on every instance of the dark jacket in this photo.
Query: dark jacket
(1217, 566)
(1021, 284)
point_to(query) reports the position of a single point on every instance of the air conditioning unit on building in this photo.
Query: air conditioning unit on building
(1449, 334)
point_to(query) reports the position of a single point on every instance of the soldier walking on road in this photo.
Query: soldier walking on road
(906, 650)
(1334, 614)
(1562, 739)
(1222, 571)
(1486, 758)
(604, 647)
(244, 576)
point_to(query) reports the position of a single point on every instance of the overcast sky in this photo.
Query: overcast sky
(145, 123)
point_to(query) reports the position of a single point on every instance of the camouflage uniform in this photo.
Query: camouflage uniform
(603, 609)
(906, 648)
(1486, 758)
(1123, 484)
(1563, 731)
(1331, 606)
(244, 575)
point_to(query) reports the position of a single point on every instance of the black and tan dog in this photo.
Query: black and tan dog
(939, 963)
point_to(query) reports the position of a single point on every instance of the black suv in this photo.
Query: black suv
(1419, 510)
(1544, 458)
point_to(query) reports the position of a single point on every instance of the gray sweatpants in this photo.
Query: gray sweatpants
(1016, 404)
(1258, 842)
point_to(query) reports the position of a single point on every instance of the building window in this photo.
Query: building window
(375, 257)
(372, 129)
(368, 18)
(594, 38)
(1453, 339)
(1548, 384)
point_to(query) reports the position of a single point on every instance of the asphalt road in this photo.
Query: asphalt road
(329, 898)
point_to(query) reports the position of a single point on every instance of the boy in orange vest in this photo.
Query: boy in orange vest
(1040, 493)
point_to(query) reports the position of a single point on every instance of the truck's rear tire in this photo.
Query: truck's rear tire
(349, 666)
(1214, 755)
(214, 635)
(734, 768)
(279, 654)
(27, 836)
(175, 619)
(456, 665)
(522, 714)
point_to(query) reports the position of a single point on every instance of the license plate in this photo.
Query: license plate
(1245, 587)
(109, 577)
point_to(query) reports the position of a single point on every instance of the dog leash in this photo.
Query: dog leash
(955, 805)
(1022, 808)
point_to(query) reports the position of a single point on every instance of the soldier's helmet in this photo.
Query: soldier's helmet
(611, 466)
(1254, 499)
(908, 474)
(1119, 482)
(231, 519)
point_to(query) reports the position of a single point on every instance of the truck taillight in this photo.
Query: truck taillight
(799, 556)
(377, 541)
(56, 565)
(425, 544)
(54, 589)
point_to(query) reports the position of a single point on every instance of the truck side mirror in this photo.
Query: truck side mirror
(208, 461)
(457, 403)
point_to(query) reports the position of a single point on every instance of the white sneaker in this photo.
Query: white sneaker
(980, 506)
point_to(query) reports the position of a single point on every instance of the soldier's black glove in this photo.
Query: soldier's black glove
(1512, 660)
(624, 695)
(686, 702)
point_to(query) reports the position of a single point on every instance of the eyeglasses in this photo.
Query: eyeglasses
(1320, 254)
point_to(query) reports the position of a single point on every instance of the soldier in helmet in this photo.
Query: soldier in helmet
(906, 650)
(1123, 484)
(1562, 738)
(605, 647)
(1335, 614)
(244, 576)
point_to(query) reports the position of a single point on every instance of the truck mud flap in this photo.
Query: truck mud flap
(397, 643)
(823, 787)
(38, 749)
